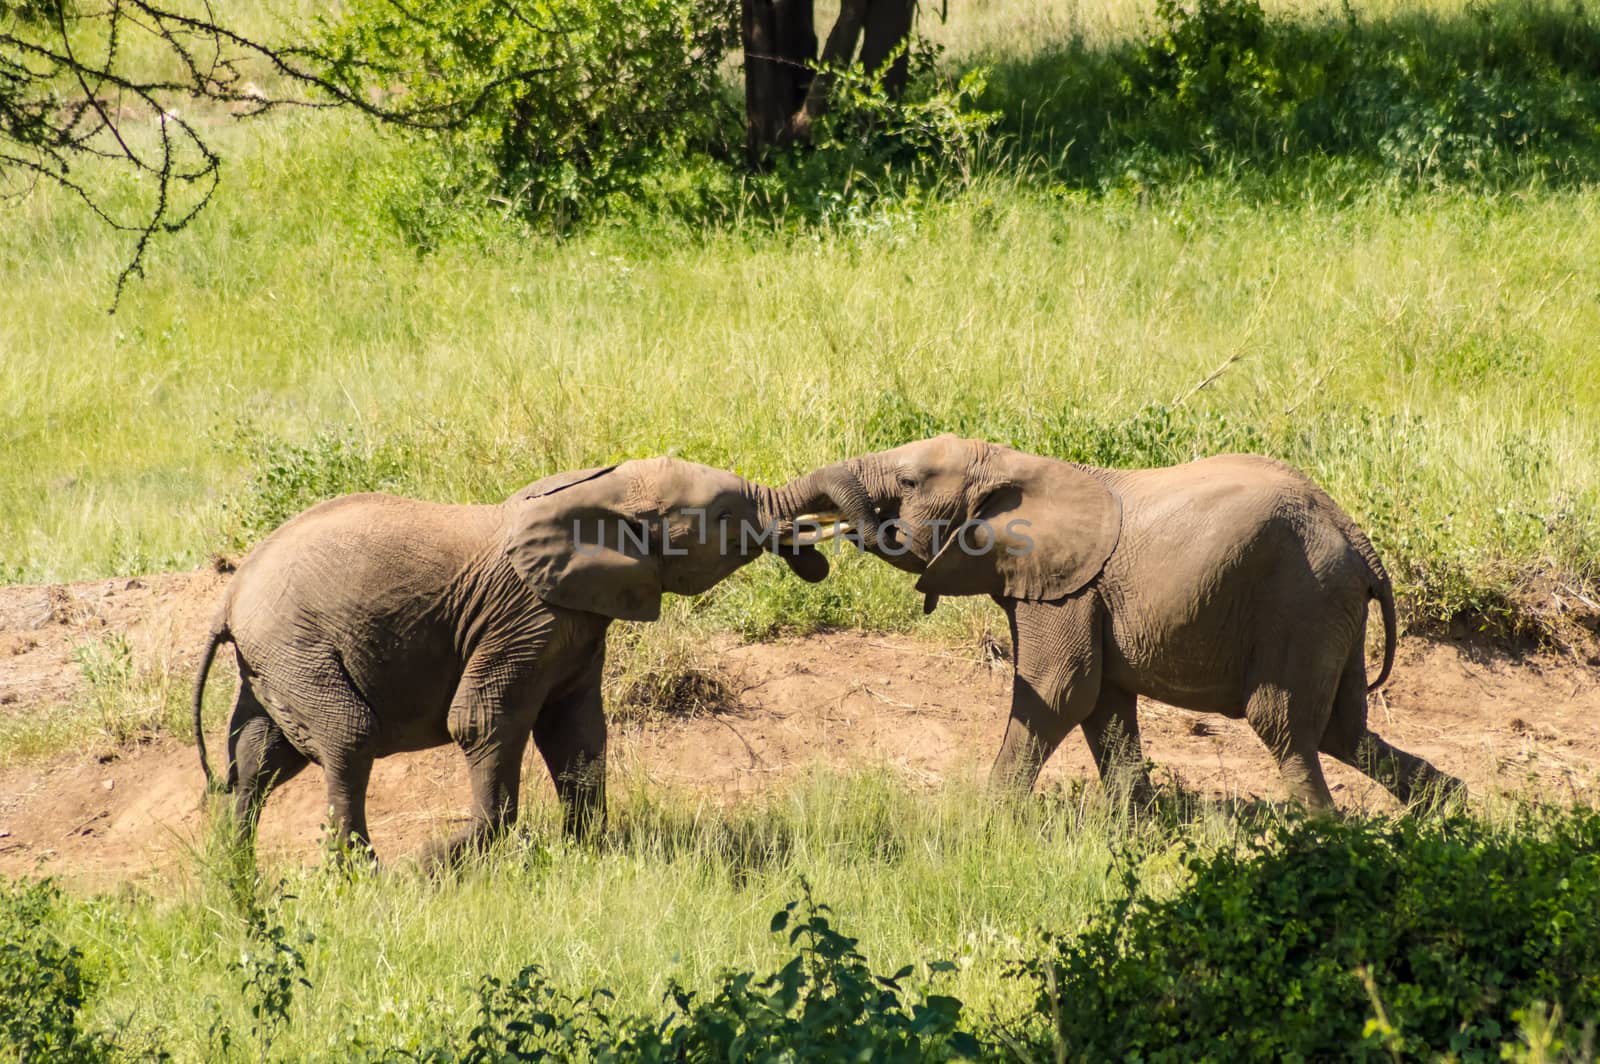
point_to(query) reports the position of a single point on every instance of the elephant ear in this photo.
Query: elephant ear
(586, 544)
(556, 481)
(1046, 529)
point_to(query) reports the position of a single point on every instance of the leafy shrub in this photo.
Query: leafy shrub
(620, 108)
(578, 101)
(43, 984)
(287, 478)
(825, 1003)
(271, 969)
(1462, 931)
(1207, 55)
(1504, 91)
(871, 144)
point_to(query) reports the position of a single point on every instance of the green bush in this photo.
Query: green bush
(873, 147)
(826, 1003)
(1446, 934)
(1314, 940)
(1503, 92)
(571, 112)
(287, 478)
(43, 984)
(572, 104)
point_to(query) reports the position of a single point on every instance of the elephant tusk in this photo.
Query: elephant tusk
(835, 529)
(838, 528)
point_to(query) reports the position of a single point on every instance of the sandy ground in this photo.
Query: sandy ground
(105, 815)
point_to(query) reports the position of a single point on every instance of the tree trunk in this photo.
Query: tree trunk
(780, 46)
(838, 52)
(782, 96)
(888, 27)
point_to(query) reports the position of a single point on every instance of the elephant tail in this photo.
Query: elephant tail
(1384, 593)
(219, 635)
(1382, 589)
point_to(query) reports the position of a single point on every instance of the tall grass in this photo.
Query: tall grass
(949, 885)
(680, 890)
(1425, 351)
(1429, 360)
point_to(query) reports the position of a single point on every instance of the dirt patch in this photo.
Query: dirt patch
(839, 701)
(163, 618)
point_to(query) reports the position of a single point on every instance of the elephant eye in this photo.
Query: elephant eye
(907, 481)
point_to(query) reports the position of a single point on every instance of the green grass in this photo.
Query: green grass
(1424, 348)
(1428, 359)
(1425, 352)
(126, 696)
(680, 890)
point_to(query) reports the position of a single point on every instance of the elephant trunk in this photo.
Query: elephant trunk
(833, 489)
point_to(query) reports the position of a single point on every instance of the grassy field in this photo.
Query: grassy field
(680, 892)
(1423, 344)
(1425, 352)
(957, 896)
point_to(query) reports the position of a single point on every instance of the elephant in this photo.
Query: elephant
(371, 624)
(1231, 584)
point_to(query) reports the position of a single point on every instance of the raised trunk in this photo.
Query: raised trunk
(832, 487)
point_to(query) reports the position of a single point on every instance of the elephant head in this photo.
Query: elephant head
(611, 540)
(971, 517)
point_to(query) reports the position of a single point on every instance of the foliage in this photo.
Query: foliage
(43, 982)
(826, 1003)
(1445, 934)
(1502, 93)
(872, 147)
(288, 478)
(579, 102)
(1306, 939)
(271, 968)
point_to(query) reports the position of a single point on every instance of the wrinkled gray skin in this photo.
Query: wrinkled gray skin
(371, 625)
(1229, 585)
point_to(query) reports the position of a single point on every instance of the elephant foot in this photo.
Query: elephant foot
(352, 858)
(462, 848)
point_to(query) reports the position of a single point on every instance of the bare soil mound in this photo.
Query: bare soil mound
(841, 701)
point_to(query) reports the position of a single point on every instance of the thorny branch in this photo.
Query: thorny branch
(69, 96)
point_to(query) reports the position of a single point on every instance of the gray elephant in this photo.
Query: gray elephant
(370, 625)
(1229, 585)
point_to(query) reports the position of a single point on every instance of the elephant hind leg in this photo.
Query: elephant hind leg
(1405, 775)
(347, 775)
(344, 726)
(1112, 732)
(1288, 708)
(260, 757)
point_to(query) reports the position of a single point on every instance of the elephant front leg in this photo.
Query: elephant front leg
(570, 734)
(494, 769)
(489, 721)
(1056, 655)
